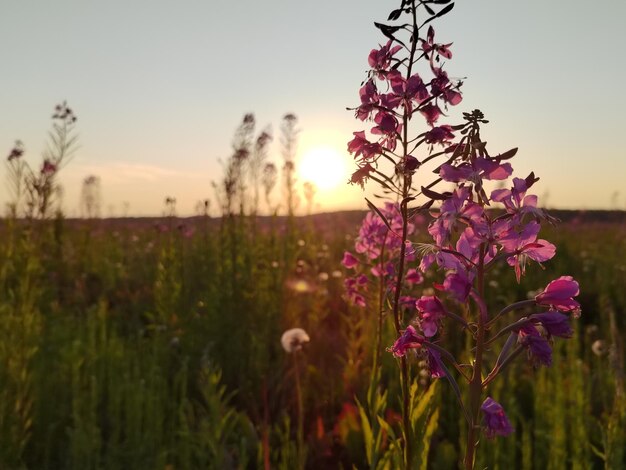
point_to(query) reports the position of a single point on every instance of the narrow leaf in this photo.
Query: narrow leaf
(380, 214)
(440, 13)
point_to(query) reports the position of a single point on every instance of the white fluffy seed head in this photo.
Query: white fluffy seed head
(293, 339)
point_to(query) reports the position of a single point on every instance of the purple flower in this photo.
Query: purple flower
(439, 135)
(555, 323)
(410, 339)
(361, 146)
(431, 312)
(524, 245)
(349, 261)
(380, 59)
(48, 168)
(558, 294)
(431, 112)
(434, 364)
(430, 45)
(458, 285)
(538, 347)
(482, 168)
(494, 419)
(515, 200)
(413, 276)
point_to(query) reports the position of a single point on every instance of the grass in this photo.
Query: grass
(124, 346)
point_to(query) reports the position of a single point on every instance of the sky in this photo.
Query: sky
(159, 88)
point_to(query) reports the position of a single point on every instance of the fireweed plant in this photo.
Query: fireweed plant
(473, 230)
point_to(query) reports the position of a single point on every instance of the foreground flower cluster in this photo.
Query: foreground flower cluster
(475, 231)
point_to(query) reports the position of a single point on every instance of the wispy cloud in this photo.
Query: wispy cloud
(128, 173)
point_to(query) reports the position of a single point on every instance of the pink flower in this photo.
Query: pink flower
(48, 168)
(349, 261)
(352, 286)
(558, 294)
(361, 175)
(525, 246)
(515, 200)
(431, 112)
(494, 419)
(431, 312)
(481, 169)
(369, 100)
(413, 276)
(439, 135)
(388, 127)
(380, 59)
(429, 45)
(458, 285)
(361, 146)
(410, 339)
(406, 91)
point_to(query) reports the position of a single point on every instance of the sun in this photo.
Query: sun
(325, 167)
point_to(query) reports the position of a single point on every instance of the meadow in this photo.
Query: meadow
(156, 343)
(370, 339)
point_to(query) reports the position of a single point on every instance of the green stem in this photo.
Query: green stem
(300, 424)
(475, 392)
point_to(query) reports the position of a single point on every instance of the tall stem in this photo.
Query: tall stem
(300, 424)
(475, 391)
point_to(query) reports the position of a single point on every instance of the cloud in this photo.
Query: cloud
(114, 173)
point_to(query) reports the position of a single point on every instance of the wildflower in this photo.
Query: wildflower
(294, 339)
(361, 175)
(48, 168)
(431, 112)
(559, 294)
(431, 312)
(17, 151)
(380, 59)
(524, 246)
(458, 284)
(494, 419)
(410, 339)
(439, 135)
(361, 146)
(555, 323)
(481, 168)
(429, 45)
(349, 260)
(434, 364)
(413, 276)
(538, 347)
(515, 199)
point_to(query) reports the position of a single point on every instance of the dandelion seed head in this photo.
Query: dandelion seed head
(294, 339)
(599, 347)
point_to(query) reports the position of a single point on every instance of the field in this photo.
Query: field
(156, 343)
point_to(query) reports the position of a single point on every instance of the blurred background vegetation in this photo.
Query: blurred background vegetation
(155, 343)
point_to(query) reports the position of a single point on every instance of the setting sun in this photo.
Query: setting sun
(325, 167)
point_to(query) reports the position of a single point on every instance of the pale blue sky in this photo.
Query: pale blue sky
(160, 86)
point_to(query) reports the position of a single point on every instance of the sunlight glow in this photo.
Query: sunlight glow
(325, 167)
